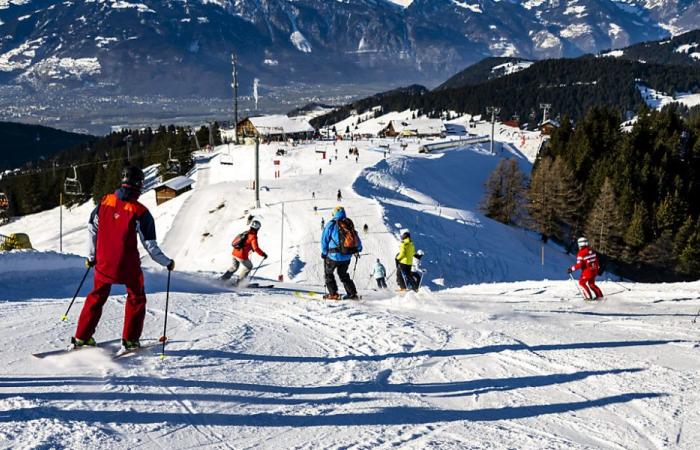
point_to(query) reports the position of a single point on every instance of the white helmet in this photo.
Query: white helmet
(582, 242)
(255, 224)
(420, 253)
(404, 231)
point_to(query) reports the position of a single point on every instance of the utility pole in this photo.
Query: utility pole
(211, 134)
(234, 85)
(545, 107)
(257, 171)
(128, 140)
(494, 111)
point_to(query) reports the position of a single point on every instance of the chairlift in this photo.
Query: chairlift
(226, 159)
(71, 185)
(173, 166)
(4, 202)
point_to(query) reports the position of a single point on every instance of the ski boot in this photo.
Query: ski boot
(331, 297)
(77, 343)
(130, 345)
(226, 276)
(351, 297)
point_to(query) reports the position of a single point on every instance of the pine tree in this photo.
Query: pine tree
(541, 196)
(636, 233)
(604, 225)
(505, 193)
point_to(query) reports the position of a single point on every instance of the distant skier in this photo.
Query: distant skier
(587, 261)
(340, 196)
(365, 228)
(404, 261)
(320, 171)
(323, 223)
(113, 226)
(339, 243)
(242, 245)
(313, 194)
(416, 270)
(379, 274)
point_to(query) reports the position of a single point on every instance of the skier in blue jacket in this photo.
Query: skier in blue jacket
(379, 274)
(333, 259)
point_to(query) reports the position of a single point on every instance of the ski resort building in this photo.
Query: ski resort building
(421, 127)
(170, 189)
(275, 128)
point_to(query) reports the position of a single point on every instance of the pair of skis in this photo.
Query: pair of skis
(310, 295)
(115, 355)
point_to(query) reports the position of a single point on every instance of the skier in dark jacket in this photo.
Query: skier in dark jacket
(114, 224)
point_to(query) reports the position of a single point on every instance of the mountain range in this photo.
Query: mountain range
(183, 47)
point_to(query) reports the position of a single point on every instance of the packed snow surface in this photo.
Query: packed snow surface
(491, 364)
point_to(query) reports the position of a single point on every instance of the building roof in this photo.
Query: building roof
(177, 183)
(421, 126)
(281, 124)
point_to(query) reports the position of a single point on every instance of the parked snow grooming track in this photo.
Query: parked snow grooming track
(503, 365)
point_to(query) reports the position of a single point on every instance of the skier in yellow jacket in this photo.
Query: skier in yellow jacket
(404, 261)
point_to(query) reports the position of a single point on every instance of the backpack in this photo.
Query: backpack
(240, 240)
(349, 241)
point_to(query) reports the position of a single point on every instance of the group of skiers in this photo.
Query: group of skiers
(119, 218)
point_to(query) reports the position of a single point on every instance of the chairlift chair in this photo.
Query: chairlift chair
(173, 166)
(71, 185)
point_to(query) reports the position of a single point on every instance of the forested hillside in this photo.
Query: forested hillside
(99, 167)
(633, 194)
(21, 143)
(571, 86)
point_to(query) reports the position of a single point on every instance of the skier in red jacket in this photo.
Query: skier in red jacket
(242, 246)
(113, 226)
(587, 261)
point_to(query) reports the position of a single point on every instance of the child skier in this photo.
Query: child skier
(339, 242)
(404, 261)
(416, 270)
(587, 261)
(242, 245)
(340, 196)
(113, 226)
(379, 274)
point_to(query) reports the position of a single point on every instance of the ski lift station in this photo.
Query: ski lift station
(272, 127)
(170, 189)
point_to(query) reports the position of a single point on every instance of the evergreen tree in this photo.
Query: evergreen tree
(604, 225)
(505, 193)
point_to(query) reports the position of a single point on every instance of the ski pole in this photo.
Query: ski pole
(357, 259)
(164, 338)
(64, 317)
(619, 284)
(256, 269)
(695, 319)
(578, 287)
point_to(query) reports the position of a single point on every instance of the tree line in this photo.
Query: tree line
(571, 86)
(98, 166)
(632, 192)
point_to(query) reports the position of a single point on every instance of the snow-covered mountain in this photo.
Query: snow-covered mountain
(183, 47)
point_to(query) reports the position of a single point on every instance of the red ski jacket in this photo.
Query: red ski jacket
(251, 243)
(587, 262)
(114, 225)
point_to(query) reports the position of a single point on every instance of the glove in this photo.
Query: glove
(171, 265)
(569, 271)
(323, 256)
(89, 263)
(264, 255)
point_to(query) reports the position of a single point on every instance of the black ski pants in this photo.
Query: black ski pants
(404, 276)
(342, 267)
(381, 283)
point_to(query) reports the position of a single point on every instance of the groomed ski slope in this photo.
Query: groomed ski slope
(523, 364)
